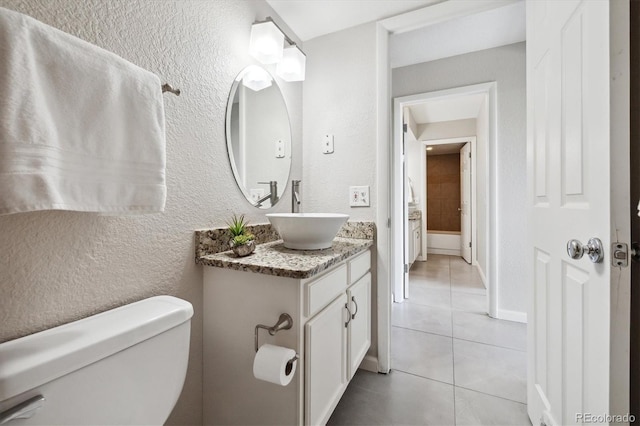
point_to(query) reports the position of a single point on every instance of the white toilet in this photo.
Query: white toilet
(122, 367)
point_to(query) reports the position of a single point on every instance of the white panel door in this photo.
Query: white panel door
(568, 162)
(465, 202)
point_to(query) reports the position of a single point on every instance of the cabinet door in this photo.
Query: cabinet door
(359, 296)
(325, 361)
(412, 248)
(416, 243)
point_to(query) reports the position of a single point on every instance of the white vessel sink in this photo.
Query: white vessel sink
(307, 231)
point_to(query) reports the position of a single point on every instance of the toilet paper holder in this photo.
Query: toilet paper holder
(285, 322)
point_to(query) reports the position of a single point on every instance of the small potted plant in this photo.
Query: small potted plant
(242, 242)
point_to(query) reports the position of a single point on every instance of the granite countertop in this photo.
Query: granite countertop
(273, 258)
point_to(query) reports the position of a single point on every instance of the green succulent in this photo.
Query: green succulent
(237, 225)
(239, 234)
(239, 240)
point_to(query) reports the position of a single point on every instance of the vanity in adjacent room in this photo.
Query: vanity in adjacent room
(415, 235)
(327, 293)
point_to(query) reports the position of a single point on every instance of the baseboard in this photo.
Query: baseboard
(369, 363)
(448, 252)
(515, 316)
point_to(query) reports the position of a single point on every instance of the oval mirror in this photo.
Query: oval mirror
(258, 137)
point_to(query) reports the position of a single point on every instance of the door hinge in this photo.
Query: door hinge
(404, 127)
(620, 254)
(469, 244)
(469, 155)
(406, 268)
(388, 222)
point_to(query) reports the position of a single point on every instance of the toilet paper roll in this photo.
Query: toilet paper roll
(273, 364)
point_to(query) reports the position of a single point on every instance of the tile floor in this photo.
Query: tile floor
(451, 363)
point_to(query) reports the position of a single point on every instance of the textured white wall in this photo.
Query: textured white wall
(62, 266)
(506, 66)
(340, 99)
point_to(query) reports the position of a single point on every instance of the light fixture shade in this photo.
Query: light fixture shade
(256, 79)
(292, 66)
(266, 42)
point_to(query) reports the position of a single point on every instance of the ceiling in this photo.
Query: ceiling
(313, 18)
(458, 108)
(496, 27)
(442, 149)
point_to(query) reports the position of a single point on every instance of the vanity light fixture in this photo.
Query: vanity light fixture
(266, 45)
(429, 148)
(256, 79)
(266, 42)
(292, 65)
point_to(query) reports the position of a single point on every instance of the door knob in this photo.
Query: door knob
(593, 249)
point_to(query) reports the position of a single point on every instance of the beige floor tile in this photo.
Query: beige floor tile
(396, 398)
(469, 302)
(489, 369)
(474, 408)
(423, 354)
(479, 327)
(422, 318)
(422, 295)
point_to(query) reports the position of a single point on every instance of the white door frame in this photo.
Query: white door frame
(474, 206)
(430, 15)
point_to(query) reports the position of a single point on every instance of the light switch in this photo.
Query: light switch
(359, 196)
(256, 194)
(279, 149)
(327, 144)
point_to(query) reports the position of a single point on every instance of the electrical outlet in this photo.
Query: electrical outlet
(327, 144)
(359, 196)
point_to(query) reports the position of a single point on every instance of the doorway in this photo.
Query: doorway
(412, 156)
(450, 197)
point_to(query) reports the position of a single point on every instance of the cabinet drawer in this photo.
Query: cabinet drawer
(323, 290)
(359, 266)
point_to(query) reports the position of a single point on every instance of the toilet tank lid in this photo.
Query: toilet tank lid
(33, 360)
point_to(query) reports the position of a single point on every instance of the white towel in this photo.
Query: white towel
(80, 127)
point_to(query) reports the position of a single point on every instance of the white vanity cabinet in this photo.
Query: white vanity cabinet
(331, 333)
(415, 240)
(340, 334)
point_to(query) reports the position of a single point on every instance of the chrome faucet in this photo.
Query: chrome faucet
(272, 196)
(295, 196)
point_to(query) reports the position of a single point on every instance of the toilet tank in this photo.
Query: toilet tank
(125, 366)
